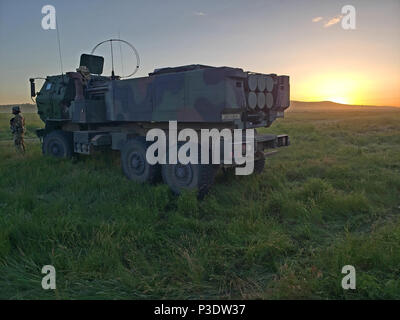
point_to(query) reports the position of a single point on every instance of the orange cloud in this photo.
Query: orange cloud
(333, 21)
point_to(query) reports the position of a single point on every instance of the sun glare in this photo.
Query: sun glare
(341, 100)
(339, 88)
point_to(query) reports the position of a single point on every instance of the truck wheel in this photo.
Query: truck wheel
(259, 165)
(181, 177)
(58, 144)
(134, 163)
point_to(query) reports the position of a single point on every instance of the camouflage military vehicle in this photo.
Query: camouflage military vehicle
(84, 111)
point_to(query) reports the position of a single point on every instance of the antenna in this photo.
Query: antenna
(59, 49)
(112, 62)
(120, 51)
(112, 57)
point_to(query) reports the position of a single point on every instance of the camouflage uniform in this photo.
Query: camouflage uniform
(84, 71)
(17, 126)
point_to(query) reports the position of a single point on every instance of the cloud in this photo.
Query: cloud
(199, 13)
(333, 21)
(316, 19)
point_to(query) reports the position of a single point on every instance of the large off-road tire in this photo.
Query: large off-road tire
(180, 177)
(134, 163)
(259, 166)
(58, 144)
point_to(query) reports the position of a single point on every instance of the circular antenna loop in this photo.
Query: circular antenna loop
(131, 46)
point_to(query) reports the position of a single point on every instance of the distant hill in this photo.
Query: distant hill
(25, 108)
(329, 105)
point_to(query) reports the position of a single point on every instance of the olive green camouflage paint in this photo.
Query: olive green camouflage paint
(54, 98)
(194, 93)
(197, 95)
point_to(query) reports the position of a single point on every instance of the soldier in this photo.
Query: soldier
(84, 71)
(17, 126)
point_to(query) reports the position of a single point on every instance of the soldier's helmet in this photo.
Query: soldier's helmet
(84, 70)
(16, 110)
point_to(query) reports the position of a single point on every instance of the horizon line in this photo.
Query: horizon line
(301, 101)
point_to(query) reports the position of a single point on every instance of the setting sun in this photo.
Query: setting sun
(346, 88)
(339, 100)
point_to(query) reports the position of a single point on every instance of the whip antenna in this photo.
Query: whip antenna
(59, 49)
(120, 51)
(112, 61)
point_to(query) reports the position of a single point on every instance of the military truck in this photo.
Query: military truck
(85, 111)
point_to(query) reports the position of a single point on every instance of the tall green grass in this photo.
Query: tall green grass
(331, 199)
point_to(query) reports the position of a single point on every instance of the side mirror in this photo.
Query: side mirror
(33, 91)
(93, 63)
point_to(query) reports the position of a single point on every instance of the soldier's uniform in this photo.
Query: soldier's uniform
(17, 126)
(84, 71)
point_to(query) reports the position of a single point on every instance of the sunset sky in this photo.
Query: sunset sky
(303, 39)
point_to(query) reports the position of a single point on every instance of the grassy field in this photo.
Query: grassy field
(330, 199)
